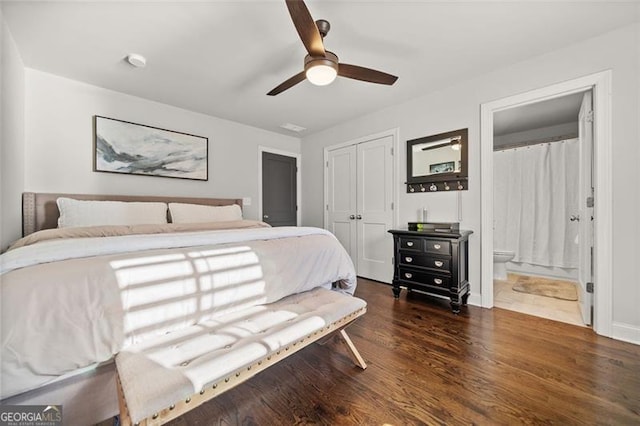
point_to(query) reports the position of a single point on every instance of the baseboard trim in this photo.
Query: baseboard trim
(475, 299)
(626, 332)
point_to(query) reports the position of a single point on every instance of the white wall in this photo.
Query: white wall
(12, 119)
(459, 106)
(59, 143)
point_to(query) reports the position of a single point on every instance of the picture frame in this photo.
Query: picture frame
(138, 149)
(446, 167)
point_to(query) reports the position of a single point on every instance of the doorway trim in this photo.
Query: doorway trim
(600, 83)
(298, 158)
(395, 134)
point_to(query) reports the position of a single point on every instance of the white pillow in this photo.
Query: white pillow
(96, 213)
(196, 213)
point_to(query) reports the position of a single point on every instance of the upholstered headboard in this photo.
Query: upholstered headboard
(40, 211)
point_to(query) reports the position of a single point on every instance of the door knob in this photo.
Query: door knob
(352, 216)
(359, 217)
(574, 218)
(266, 216)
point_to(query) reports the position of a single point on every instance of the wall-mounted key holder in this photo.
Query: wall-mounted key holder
(438, 163)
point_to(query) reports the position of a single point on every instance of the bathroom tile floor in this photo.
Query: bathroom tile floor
(546, 307)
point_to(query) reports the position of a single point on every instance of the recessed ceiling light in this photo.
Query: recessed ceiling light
(136, 60)
(293, 127)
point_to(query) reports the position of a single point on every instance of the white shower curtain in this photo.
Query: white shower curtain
(535, 193)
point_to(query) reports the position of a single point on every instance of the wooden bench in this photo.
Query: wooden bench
(163, 378)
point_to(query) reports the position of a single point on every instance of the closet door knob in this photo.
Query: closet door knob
(359, 217)
(574, 218)
(352, 216)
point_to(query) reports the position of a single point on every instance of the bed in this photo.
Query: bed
(73, 298)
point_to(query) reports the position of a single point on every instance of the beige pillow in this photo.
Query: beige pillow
(196, 213)
(75, 213)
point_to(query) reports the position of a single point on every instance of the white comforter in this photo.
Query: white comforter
(67, 304)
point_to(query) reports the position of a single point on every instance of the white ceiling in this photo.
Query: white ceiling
(221, 58)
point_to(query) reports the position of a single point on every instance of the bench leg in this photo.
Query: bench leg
(125, 420)
(352, 350)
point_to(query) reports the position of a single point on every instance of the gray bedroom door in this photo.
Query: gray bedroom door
(279, 192)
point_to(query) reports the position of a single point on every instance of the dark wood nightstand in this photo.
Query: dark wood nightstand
(432, 262)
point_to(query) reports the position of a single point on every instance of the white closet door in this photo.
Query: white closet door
(342, 197)
(374, 209)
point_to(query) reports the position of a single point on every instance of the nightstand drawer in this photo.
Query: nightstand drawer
(438, 246)
(425, 261)
(408, 243)
(424, 278)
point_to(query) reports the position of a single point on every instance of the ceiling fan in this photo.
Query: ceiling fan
(321, 66)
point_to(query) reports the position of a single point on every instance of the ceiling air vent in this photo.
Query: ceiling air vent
(293, 127)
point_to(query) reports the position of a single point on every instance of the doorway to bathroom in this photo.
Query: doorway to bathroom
(548, 243)
(541, 171)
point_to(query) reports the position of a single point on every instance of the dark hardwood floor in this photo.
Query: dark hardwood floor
(428, 366)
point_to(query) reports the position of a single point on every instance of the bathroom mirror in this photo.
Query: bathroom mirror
(438, 162)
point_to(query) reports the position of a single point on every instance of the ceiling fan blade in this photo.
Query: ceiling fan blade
(306, 27)
(365, 74)
(288, 84)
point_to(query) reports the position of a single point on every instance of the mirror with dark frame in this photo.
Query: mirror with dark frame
(438, 162)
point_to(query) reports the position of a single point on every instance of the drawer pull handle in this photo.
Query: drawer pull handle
(438, 263)
(409, 259)
(437, 246)
(408, 275)
(409, 243)
(437, 280)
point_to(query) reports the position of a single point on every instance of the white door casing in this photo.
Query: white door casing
(600, 84)
(585, 210)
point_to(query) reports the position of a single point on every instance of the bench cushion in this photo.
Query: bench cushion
(157, 373)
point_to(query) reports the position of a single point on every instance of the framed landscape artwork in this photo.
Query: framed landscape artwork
(125, 147)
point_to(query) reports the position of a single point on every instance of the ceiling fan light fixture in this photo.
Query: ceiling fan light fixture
(321, 75)
(456, 145)
(321, 71)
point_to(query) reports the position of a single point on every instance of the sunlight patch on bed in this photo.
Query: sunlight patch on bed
(147, 273)
(188, 288)
(146, 260)
(164, 292)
